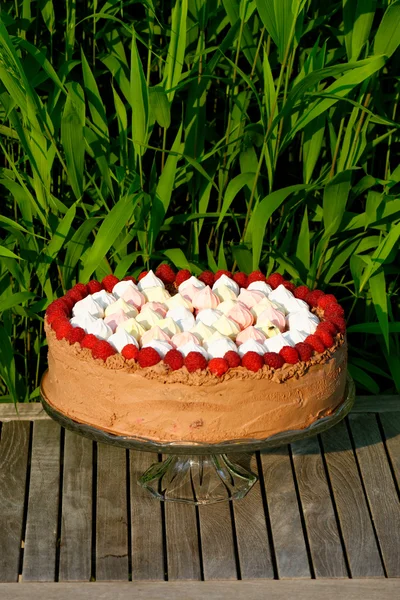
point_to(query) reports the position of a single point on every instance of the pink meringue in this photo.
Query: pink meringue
(116, 319)
(274, 316)
(155, 333)
(180, 339)
(250, 297)
(134, 297)
(157, 307)
(251, 333)
(205, 298)
(241, 315)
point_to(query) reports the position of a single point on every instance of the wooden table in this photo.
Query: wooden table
(324, 518)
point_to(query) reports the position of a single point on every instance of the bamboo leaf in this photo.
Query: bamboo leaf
(72, 138)
(177, 257)
(139, 101)
(7, 364)
(334, 202)
(377, 285)
(14, 300)
(7, 253)
(176, 49)
(160, 106)
(232, 190)
(387, 38)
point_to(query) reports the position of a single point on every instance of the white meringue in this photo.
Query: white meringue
(99, 329)
(202, 331)
(260, 286)
(251, 346)
(225, 293)
(295, 336)
(191, 347)
(208, 316)
(148, 317)
(284, 297)
(161, 346)
(156, 294)
(120, 304)
(218, 348)
(277, 342)
(133, 328)
(227, 327)
(121, 287)
(182, 317)
(178, 300)
(190, 287)
(148, 281)
(88, 306)
(169, 326)
(302, 321)
(83, 321)
(120, 339)
(103, 298)
(227, 305)
(228, 282)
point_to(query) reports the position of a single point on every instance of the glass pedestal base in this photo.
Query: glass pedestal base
(197, 479)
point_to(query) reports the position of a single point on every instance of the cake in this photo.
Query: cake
(175, 357)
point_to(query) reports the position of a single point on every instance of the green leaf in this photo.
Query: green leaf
(96, 106)
(363, 378)
(358, 16)
(15, 299)
(159, 106)
(176, 49)
(303, 242)
(381, 254)
(75, 248)
(7, 253)
(387, 38)
(72, 137)
(139, 101)
(233, 188)
(373, 328)
(334, 202)
(177, 257)
(211, 261)
(377, 285)
(278, 17)
(312, 144)
(7, 364)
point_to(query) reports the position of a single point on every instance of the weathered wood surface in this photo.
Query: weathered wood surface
(111, 515)
(380, 489)
(76, 524)
(43, 506)
(322, 528)
(391, 431)
(13, 465)
(183, 549)
(371, 589)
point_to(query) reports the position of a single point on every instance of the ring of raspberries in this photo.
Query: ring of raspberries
(332, 324)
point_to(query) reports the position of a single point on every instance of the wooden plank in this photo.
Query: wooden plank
(251, 529)
(14, 447)
(287, 532)
(377, 404)
(76, 524)
(322, 589)
(355, 522)
(391, 428)
(217, 543)
(111, 515)
(41, 528)
(146, 519)
(26, 412)
(323, 535)
(379, 486)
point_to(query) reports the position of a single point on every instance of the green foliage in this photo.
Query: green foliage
(234, 133)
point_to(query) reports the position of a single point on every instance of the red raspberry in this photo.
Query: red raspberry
(301, 292)
(103, 350)
(313, 297)
(326, 300)
(62, 328)
(275, 279)
(289, 286)
(130, 278)
(241, 279)
(195, 361)
(74, 296)
(255, 276)
(305, 350)
(182, 276)
(327, 326)
(148, 357)
(58, 306)
(315, 342)
(142, 274)
(89, 341)
(94, 286)
(207, 277)
(326, 338)
(165, 273)
(252, 361)
(274, 360)
(130, 352)
(81, 288)
(289, 355)
(76, 335)
(333, 310)
(69, 302)
(108, 282)
(218, 366)
(339, 322)
(174, 359)
(232, 358)
(221, 272)
(55, 314)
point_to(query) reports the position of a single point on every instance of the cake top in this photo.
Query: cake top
(213, 322)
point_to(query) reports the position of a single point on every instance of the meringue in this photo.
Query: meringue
(133, 328)
(121, 287)
(295, 336)
(159, 307)
(156, 294)
(178, 300)
(155, 333)
(202, 331)
(116, 319)
(169, 326)
(257, 309)
(103, 298)
(251, 333)
(208, 316)
(241, 315)
(180, 339)
(148, 281)
(227, 327)
(182, 317)
(192, 347)
(190, 287)
(205, 298)
(225, 293)
(134, 297)
(287, 299)
(250, 298)
(88, 306)
(251, 346)
(161, 346)
(99, 329)
(218, 348)
(83, 321)
(226, 281)
(148, 317)
(274, 316)
(277, 342)
(268, 329)
(226, 305)
(213, 338)
(302, 321)
(121, 305)
(260, 286)
(121, 339)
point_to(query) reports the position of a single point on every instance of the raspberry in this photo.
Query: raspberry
(252, 361)
(313, 297)
(289, 286)
(241, 279)
(76, 335)
(195, 361)
(339, 322)
(274, 280)
(182, 276)
(166, 273)
(57, 313)
(68, 302)
(130, 352)
(207, 277)
(255, 276)
(62, 327)
(174, 359)
(325, 337)
(130, 278)
(218, 366)
(142, 274)
(74, 296)
(109, 281)
(58, 306)
(221, 272)
(274, 360)
(333, 310)
(89, 341)
(289, 354)
(327, 326)
(103, 350)
(315, 342)
(148, 357)
(305, 350)
(94, 286)
(232, 358)
(81, 288)
(301, 292)
(326, 300)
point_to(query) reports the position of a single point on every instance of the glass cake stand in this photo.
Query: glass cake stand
(197, 472)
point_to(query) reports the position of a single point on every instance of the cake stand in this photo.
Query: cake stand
(196, 472)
